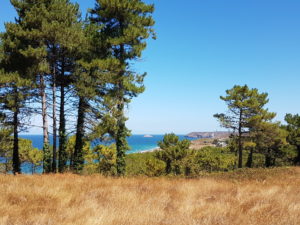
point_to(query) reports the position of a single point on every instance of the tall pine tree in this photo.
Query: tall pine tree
(245, 111)
(16, 88)
(29, 27)
(124, 26)
(53, 33)
(63, 36)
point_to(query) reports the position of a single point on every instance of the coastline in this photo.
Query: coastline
(150, 150)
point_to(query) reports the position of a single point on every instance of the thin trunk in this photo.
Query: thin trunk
(240, 145)
(62, 124)
(267, 161)
(121, 142)
(54, 164)
(16, 158)
(168, 167)
(78, 151)
(250, 159)
(47, 155)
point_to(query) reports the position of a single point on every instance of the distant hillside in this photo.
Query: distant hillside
(217, 134)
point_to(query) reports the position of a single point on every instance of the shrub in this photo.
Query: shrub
(215, 159)
(175, 154)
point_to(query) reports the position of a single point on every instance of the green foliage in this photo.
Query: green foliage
(70, 149)
(175, 154)
(46, 38)
(123, 28)
(245, 111)
(270, 140)
(6, 146)
(107, 159)
(144, 164)
(215, 159)
(30, 155)
(154, 167)
(48, 46)
(47, 163)
(293, 128)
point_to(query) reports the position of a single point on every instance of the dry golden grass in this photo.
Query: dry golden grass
(266, 198)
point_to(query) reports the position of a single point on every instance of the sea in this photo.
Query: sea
(137, 143)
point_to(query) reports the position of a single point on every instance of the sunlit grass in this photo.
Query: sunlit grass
(252, 197)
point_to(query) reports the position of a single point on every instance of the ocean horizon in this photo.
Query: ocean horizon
(137, 142)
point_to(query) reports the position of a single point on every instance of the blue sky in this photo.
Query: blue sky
(206, 47)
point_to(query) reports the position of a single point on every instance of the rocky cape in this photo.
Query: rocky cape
(214, 135)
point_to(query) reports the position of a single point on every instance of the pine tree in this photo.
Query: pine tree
(245, 111)
(293, 128)
(29, 28)
(53, 34)
(15, 90)
(270, 140)
(63, 37)
(92, 84)
(124, 26)
(173, 153)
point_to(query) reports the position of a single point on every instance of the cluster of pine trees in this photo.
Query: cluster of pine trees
(256, 140)
(254, 130)
(76, 72)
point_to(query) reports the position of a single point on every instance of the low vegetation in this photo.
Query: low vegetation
(252, 196)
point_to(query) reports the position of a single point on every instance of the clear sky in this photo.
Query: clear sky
(206, 47)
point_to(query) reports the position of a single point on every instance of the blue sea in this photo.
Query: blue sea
(137, 143)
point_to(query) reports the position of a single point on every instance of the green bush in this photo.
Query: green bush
(215, 159)
(144, 164)
(176, 154)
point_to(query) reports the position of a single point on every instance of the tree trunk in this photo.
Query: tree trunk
(250, 159)
(47, 155)
(268, 159)
(62, 124)
(54, 164)
(78, 151)
(121, 142)
(16, 158)
(240, 145)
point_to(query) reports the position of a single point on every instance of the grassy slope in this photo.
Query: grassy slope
(246, 197)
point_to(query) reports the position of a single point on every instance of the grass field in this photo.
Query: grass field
(255, 196)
